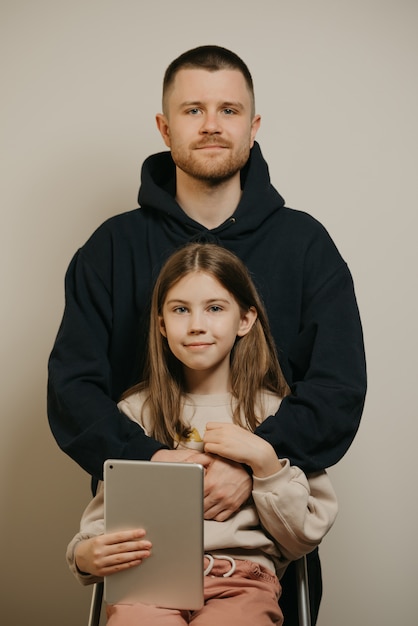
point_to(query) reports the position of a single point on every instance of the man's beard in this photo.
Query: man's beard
(211, 170)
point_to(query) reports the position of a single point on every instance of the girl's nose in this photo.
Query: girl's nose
(197, 324)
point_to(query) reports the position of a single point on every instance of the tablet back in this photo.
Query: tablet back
(166, 499)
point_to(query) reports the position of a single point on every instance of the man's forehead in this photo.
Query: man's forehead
(195, 74)
(198, 85)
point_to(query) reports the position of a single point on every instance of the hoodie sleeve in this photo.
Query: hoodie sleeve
(295, 510)
(324, 361)
(82, 393)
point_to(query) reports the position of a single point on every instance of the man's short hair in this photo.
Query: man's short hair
(212, 59)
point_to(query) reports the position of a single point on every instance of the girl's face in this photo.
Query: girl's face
(201, 321)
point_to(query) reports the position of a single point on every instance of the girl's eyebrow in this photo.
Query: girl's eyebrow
(209, 301)
(175, 301)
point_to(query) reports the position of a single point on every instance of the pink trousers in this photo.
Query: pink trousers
(248, 597)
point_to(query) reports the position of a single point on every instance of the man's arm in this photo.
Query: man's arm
(316, 424)
(83, 416)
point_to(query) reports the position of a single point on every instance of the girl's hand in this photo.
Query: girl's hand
(238, 444)
(112, 552)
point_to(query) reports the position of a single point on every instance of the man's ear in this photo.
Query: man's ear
(162, 125)
(247, 322)
(162, 326)
(255, 125)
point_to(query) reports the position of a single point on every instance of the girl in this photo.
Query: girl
(212, 376)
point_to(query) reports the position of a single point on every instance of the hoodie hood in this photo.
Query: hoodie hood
(258, 201)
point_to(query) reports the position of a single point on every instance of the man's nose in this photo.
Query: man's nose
(211, 123)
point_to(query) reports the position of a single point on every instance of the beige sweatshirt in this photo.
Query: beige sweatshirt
(286, 517)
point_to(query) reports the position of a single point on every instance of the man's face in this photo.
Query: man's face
(208, 123)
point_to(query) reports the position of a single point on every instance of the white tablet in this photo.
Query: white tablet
(166, 499)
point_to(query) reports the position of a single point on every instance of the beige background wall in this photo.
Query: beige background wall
(336, 84)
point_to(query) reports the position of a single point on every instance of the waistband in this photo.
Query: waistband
(221, 557)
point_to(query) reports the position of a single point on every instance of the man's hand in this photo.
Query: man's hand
(112, 552)
(227, 486)
(179, 455)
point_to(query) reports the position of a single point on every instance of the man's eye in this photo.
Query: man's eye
(229, 111)
(194, 111)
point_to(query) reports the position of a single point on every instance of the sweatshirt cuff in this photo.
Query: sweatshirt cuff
(82, 577)
(270, 483)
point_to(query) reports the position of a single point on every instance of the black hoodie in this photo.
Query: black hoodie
(304, 283)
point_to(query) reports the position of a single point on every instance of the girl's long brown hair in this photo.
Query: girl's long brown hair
(254, 362)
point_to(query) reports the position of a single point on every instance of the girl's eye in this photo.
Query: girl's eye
(215, 308)
(180, 309)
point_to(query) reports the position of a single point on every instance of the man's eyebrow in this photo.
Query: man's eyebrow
(228, 104)
(191, 103)
(233, 105)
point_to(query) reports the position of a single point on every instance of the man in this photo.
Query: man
(212, 184)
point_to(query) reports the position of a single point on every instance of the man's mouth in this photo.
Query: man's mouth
(210, 145)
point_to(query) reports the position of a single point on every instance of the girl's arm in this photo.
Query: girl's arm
(296, 510)
(238, 444)
(92, 553)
